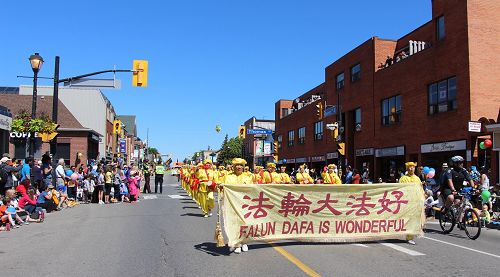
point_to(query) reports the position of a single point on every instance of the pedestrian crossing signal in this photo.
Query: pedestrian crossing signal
(241, 132)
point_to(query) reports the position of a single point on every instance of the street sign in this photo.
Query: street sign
(123, 146)
(474, 127)
(94, 83)
(330, 110)
(259, 132)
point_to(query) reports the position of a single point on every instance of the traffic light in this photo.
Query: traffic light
(341, 148)
(242, 132)
(319, 110)
(275, 156)
(140, 76)
(117, 127)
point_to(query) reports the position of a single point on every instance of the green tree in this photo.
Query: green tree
(230, 149)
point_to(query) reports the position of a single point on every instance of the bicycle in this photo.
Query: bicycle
(471, 222)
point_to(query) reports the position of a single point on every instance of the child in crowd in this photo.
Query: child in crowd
(6, 218)
(124, 192)
(429, 202)
(100, 186)
(485, 215)
(45, 199)
(28, 204)
(133, 190)
(86, 189)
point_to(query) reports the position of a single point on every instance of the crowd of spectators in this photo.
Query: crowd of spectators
(30, 188)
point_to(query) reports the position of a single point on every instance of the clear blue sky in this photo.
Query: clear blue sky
(210, 62)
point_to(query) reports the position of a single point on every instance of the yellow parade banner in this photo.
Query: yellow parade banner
(322, 213)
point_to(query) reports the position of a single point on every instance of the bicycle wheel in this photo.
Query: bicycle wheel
(471, 223)
(447, 220)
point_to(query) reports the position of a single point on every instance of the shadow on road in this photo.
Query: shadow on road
(190, 208)
(192, 214)
(434, 231)
(212, 249)
(187, 202)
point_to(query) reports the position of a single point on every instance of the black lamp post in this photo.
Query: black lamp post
(36, 62)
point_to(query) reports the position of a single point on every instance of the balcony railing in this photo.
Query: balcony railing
(411, 49)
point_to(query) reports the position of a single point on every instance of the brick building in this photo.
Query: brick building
(405, 99)
(73, 138)
(257, 145)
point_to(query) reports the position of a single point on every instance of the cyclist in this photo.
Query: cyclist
(453, 180)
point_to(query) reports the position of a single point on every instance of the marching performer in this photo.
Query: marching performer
(271, 176)
(284, 177)
(303, 177)
(235, 178)
(206, 177)
(410, 177)
(330, 177)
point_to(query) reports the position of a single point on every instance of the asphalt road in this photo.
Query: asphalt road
(166, 235)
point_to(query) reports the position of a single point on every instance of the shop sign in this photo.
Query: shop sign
(474, 127)
(364, 152)
(301, 160)
(331, 156)
(259, 148)
(290, 161)
(443, 146)
(318, 159)
(24, 135)
(5, 122)
(94, 137)
(390, 151)
(267, 148)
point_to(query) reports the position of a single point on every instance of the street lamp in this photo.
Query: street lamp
(36, 62)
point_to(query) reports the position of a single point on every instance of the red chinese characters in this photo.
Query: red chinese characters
(299, 206)
(260, 207)
(326, 204)
(386, 202)
(361, 208)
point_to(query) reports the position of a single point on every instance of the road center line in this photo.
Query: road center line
(402, 249)
(307, 270)
(463, 247)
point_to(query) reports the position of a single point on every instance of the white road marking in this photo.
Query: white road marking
(148, 197)
(463, 247)
(402, 249)
(173, 185)
(176, 196)
(360, 245)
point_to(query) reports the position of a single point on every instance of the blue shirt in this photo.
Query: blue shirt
(25, 172)
(348, 177)
(41, 198)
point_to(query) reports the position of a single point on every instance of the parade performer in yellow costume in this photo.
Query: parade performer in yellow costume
(257, 175)
(271, 176)
(411, 178)
(284, 177)
(206, 177)
(246, 171)
(236, 178)
(221, 173)
(330, 177)
(303, 177)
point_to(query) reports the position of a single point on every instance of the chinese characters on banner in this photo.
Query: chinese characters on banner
(322, 213)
